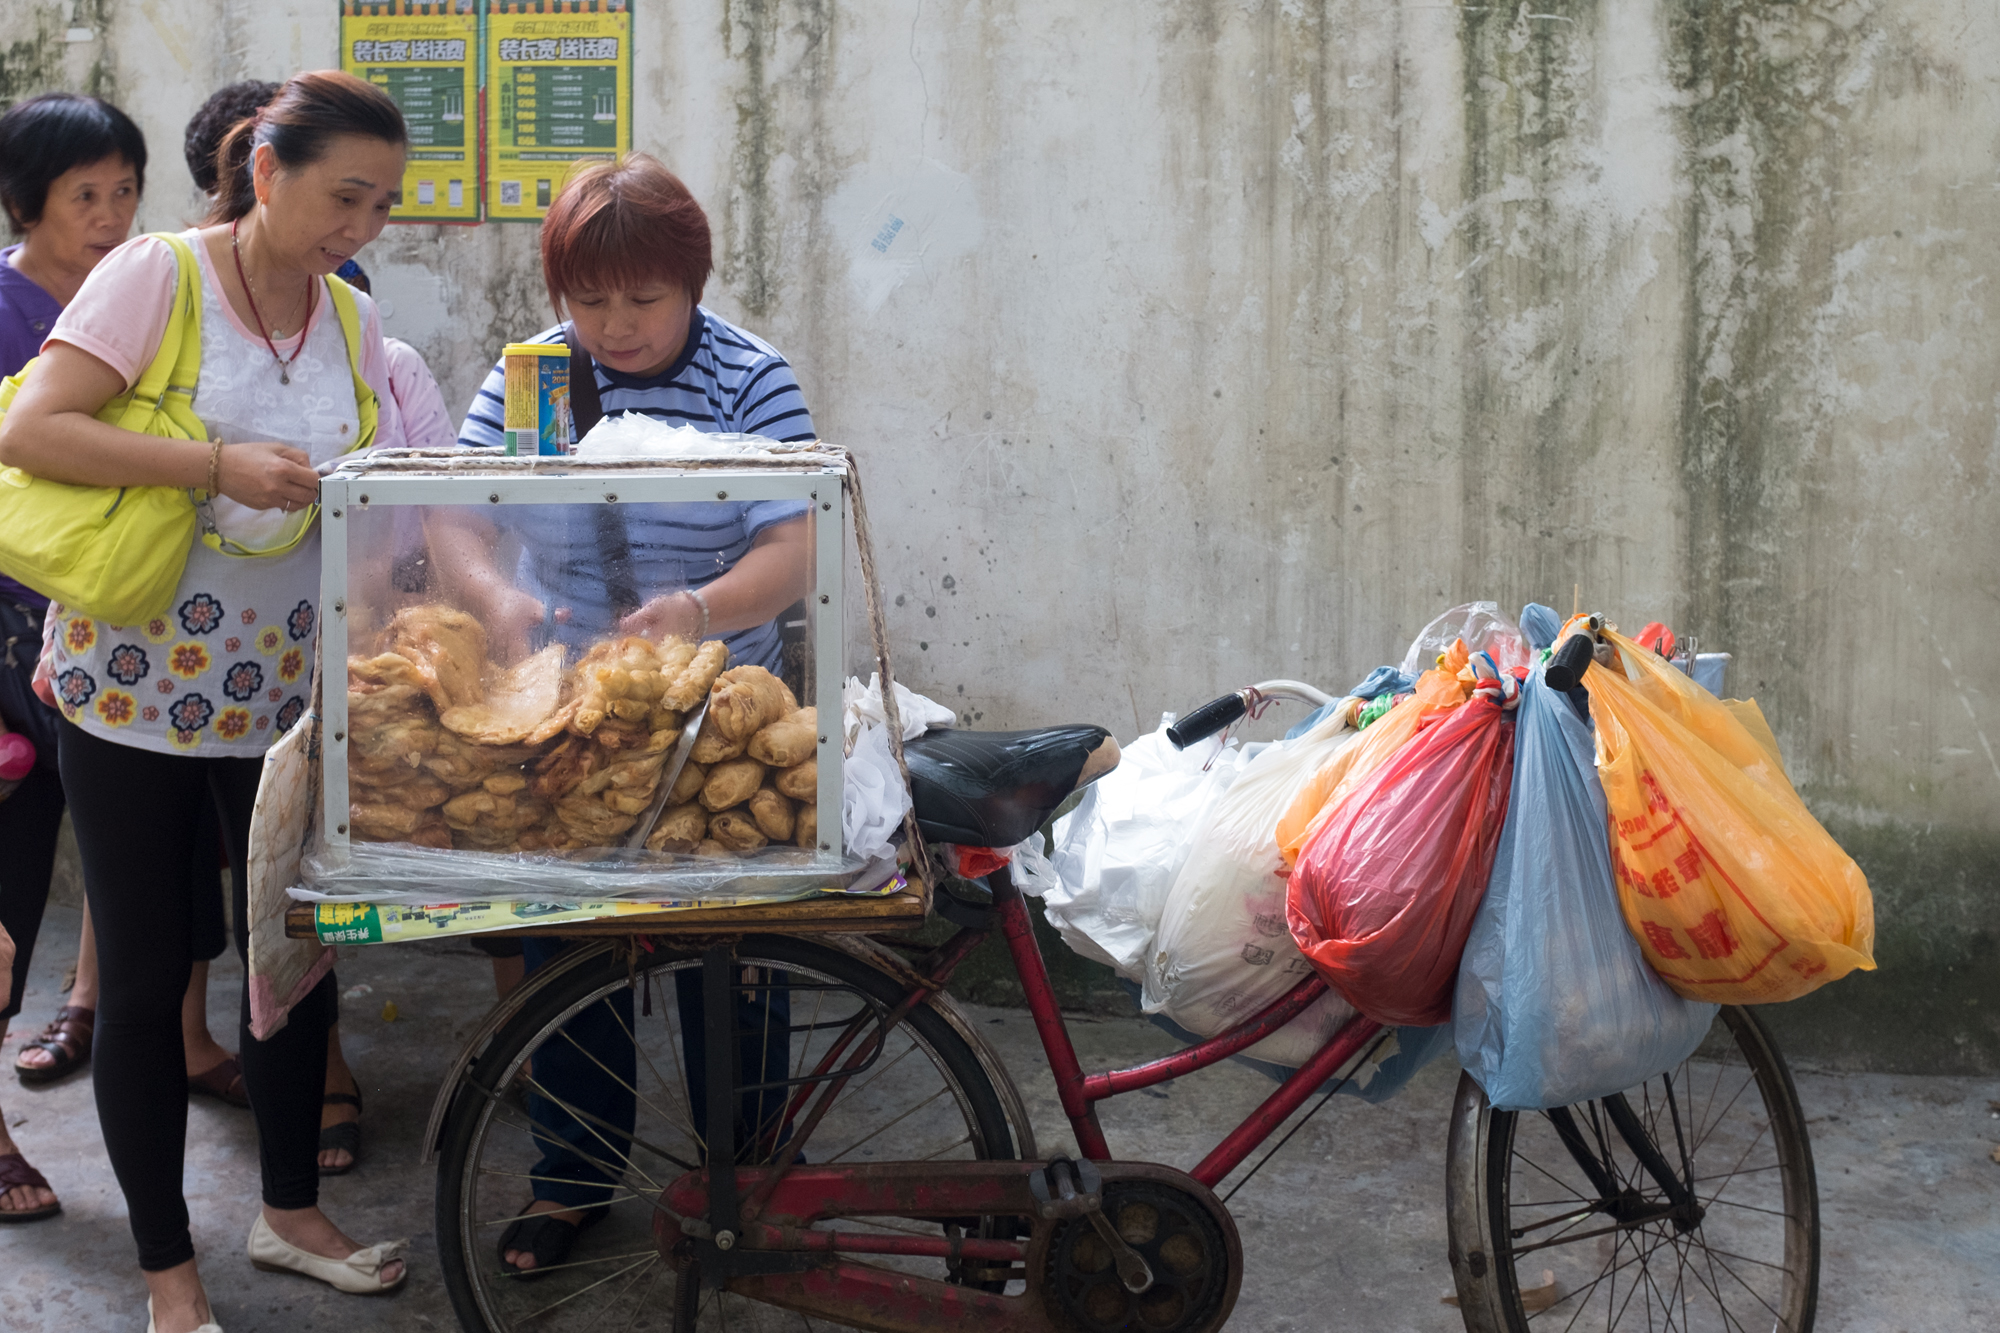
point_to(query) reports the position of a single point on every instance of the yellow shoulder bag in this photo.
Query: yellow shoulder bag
(116, 553)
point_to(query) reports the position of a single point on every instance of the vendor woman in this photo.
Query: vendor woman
(625, 253)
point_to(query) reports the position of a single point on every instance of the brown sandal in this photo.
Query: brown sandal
(67, 1039)
(14, 1173)
(224, 1082)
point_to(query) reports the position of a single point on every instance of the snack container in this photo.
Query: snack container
(537, 419)
(525, 713)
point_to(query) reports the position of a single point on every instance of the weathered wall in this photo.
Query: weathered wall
(1231, 340)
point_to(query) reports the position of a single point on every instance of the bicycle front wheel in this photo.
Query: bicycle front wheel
(1687, 1203)
(590, 1095)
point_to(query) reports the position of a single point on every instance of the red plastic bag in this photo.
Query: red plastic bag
(1383, 895)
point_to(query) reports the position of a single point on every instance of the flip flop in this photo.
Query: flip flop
(15, 1172)
(545, 1236)
(345, 1136)
(67, 1039)
(223, 1082)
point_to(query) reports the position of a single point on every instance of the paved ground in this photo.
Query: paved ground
(1344, 1231)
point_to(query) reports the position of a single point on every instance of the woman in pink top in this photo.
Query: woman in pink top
(157, 717)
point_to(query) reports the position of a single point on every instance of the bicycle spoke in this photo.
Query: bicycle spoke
(879, 1129)
(590, 1122)
(522, 1217)
(687, 1124)
(637, 1096)
(645, 1298)
(611, 1277)
(581, 1263)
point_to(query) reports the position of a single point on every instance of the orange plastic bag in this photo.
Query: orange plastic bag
(1437, 690)
(1734, 891)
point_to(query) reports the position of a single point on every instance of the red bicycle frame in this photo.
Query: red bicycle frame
(1081, 1092)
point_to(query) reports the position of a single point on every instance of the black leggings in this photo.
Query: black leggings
(137, 816)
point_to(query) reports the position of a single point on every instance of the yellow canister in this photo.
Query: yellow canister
(537, 417)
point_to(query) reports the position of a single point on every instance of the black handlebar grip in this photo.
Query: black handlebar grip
(1572, 658)
(1206, 720)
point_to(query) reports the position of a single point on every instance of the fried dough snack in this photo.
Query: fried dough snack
(710, 847)
(695, 679)
(731, 783)
(680, 828)
(689, 784)
(800, 782)
(805, 829)
(773, 813)
(710, 745)
(395, 745)
(790, 740)
(522, 704)
(737, 831)
(748, 699)
(448, 648)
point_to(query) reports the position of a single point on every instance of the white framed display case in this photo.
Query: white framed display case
(483, 535)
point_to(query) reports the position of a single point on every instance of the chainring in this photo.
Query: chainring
(1178, 1235)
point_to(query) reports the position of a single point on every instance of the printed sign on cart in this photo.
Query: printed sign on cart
(558, 91)
(425, 55)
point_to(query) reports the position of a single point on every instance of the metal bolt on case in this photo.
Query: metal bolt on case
(340, 735)
(494, 498)
(336, 513)
(611, 497)
(826, 504)
(364, 499)
(722, 495)
(824, 599)
(343, 828)
(340, 608)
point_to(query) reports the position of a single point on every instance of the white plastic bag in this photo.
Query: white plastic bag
(1222, 951)
(873, 797)
(1118, 851)
(861, 705)
(1483, 626)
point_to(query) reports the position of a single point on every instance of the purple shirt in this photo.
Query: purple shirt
(27, 313)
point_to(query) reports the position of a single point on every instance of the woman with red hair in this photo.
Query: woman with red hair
(625, 252)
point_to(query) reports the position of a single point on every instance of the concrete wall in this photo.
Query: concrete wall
(1232, 340)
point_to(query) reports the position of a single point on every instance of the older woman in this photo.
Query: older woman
(72, 169)
(160, 717)
(625, 254)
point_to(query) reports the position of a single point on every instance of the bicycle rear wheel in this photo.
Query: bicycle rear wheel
(924, 1095)
(1687, 1203)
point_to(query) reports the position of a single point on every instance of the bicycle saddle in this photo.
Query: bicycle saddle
(994, 788)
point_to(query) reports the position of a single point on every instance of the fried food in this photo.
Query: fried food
(805, 829)
(680, 828)
(418, 791)
(710, 847)
(790, 740)
(555, 773)
(695, 679)
(710, 745)
(746, 700)
(591, 822)
(800, 782)
(731, 783)
(384, 821)
(737, 831)
(448, 648)
(392, 744)
(774, 814)
(688, 785)
(521, 705)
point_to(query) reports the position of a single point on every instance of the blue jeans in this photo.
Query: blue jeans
(595, 1070)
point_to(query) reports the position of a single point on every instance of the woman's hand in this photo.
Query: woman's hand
(511, 617)
(261, 475)
(676, 613)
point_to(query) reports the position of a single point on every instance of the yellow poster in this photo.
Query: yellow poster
(425, 55)
(558, 90)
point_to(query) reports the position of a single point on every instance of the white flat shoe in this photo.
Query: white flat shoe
(359, 1274)
(205, 1328)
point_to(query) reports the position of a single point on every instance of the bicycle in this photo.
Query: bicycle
(788, 1173)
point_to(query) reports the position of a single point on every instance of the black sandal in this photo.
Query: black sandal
(545, 1236)
(345, 1136)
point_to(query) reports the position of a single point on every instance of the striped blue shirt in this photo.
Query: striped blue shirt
(724, 380)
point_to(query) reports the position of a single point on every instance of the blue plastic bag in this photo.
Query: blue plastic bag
(1555, 1003)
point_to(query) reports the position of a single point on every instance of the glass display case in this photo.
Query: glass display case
(581, 677)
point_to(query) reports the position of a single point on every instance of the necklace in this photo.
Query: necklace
(284, 362)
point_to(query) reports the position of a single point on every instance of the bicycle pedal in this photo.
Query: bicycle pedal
(1066, 1188)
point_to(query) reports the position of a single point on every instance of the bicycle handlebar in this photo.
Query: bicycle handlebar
(1208, 719)
(1572, 658)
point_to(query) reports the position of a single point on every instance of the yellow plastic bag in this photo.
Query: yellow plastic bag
(1437, 690)
(1733, 890)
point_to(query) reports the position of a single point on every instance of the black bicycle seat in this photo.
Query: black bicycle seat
(994, 788)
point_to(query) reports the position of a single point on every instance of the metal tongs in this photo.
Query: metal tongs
(669, 775)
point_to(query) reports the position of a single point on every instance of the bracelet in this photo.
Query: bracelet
(701, 602)
(215, 470)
